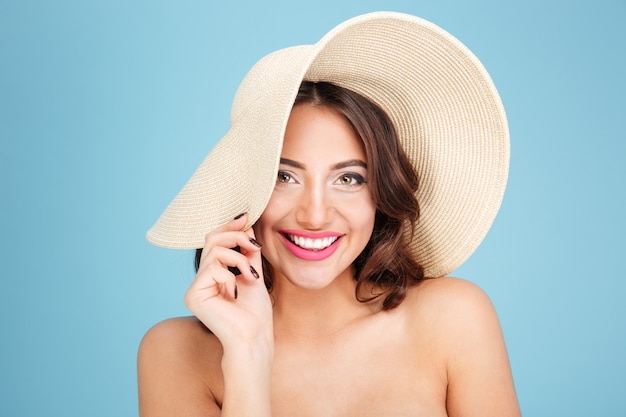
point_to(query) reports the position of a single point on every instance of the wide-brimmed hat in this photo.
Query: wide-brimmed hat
(445, 108)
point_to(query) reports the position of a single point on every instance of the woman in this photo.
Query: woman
(328, 304)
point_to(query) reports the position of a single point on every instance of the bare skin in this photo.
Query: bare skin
(316, 350)
(440, 353)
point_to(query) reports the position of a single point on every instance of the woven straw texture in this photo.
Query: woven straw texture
(439, 96)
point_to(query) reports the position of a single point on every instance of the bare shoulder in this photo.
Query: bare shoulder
(463, 326)
(178, 368)
(452, 296)
(454, 307)
(179, 333)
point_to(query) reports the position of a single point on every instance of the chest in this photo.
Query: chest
(380, 375)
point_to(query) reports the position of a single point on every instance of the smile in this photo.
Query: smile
(313, 244)
(309, 247)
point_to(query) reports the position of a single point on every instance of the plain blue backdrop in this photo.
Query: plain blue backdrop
(107, 107)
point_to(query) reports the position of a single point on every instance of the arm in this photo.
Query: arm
(480, 383)
(237, 310)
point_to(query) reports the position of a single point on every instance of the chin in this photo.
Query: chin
(318, 279)
(311, 284)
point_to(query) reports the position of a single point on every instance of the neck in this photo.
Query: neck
(317, 312)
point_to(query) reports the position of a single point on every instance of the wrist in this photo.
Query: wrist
(247, 372)
(258, 354)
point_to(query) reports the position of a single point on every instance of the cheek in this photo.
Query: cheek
(362, 215)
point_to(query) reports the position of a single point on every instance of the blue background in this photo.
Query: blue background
(107, 107)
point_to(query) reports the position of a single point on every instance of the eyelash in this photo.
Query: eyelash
(358, 179)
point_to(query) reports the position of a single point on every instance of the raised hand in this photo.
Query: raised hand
(236, 308)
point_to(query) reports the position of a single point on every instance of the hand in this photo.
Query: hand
(237, 309)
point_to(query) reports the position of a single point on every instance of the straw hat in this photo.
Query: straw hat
(440, 98)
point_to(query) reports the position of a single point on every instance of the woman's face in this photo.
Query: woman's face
(321, 214)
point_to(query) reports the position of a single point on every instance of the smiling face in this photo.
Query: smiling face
(321, 213)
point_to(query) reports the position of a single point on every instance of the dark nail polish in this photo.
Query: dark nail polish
(236, 292)
(254, 242)
(233, 269)
(239, 216)
(256, 274)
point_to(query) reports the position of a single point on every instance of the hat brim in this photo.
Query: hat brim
(445, 107)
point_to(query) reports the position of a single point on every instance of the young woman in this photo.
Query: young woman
(321, 299)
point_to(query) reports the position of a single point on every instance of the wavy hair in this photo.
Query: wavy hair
(385, 262)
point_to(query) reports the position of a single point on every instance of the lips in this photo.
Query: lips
(312, 244)
(311, 247)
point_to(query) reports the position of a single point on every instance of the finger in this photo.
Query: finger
(227, 282)
(212, 281)
(232, 261)
(223, 257)
(233, 269)
(256, 263)
(244, 269)
(231, 240)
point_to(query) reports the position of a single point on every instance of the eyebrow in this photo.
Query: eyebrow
(338, 165)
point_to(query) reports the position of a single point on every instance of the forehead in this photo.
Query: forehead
(320, 131)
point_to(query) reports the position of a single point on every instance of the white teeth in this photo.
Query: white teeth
(313, 244)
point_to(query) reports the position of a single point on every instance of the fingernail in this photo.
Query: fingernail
(256, 274)
(254, 242)
(236, 292)
(239, 216)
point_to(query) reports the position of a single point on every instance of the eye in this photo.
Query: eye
(351, 179)
(283, 178)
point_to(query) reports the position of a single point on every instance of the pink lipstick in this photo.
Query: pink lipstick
(311, 246)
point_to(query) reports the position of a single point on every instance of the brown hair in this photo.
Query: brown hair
(385, 261)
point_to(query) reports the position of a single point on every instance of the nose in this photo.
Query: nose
(314, 207)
